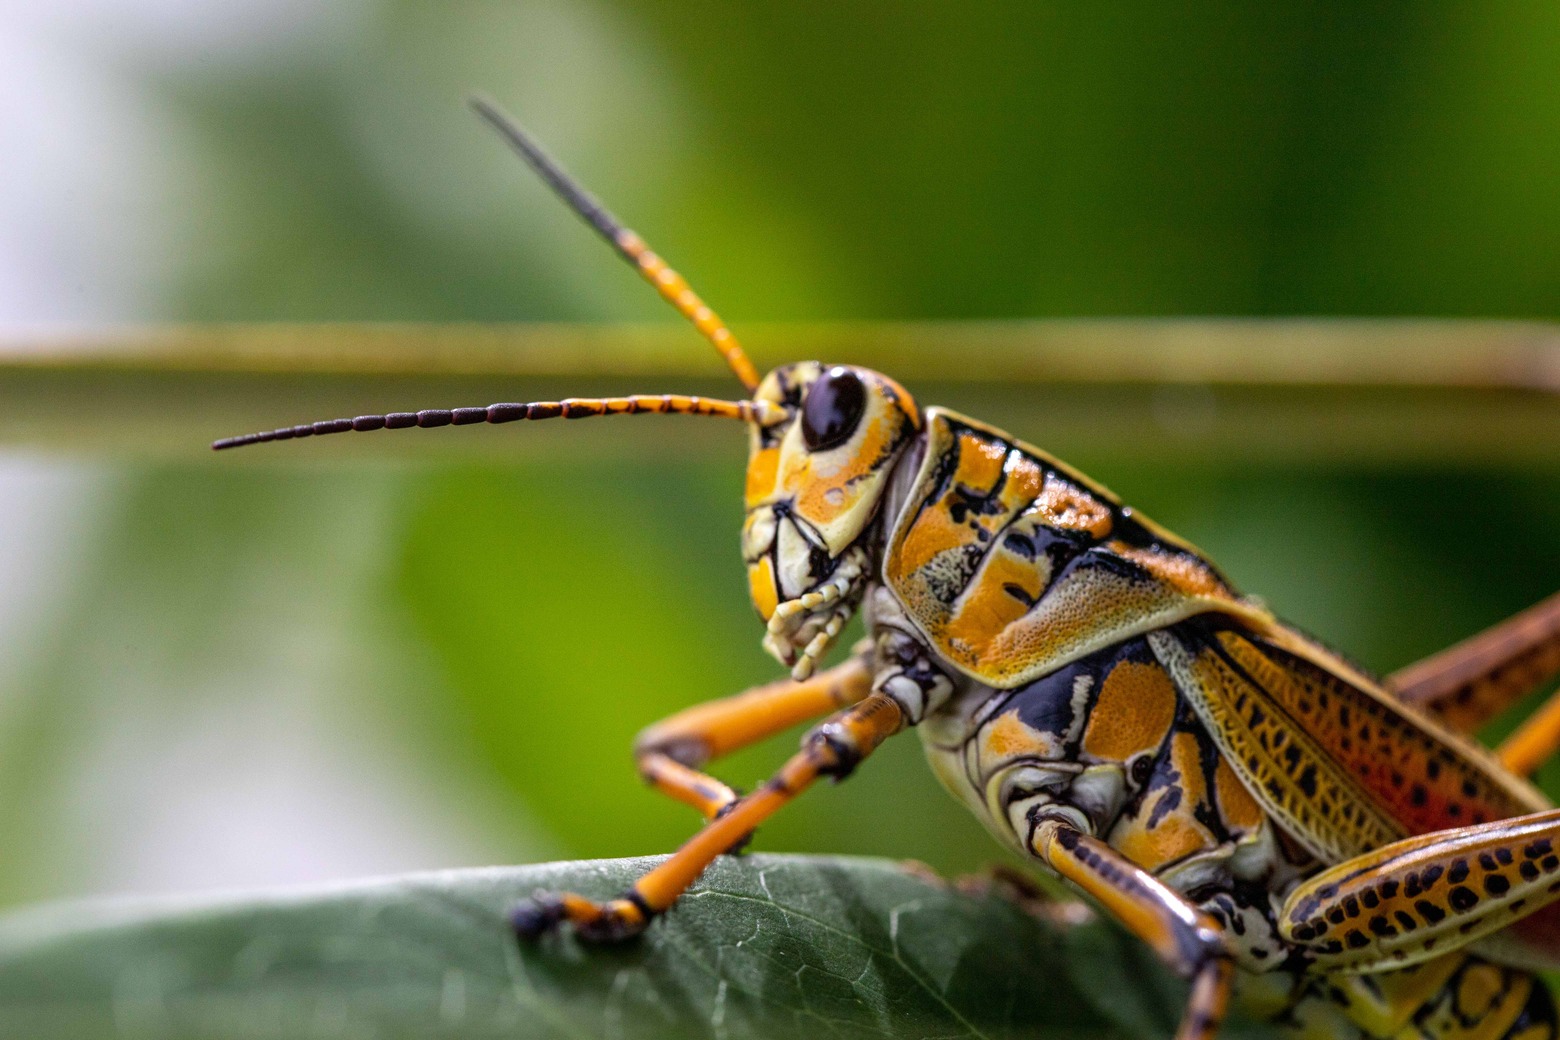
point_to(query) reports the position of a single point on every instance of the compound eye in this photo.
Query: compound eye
(833, 408)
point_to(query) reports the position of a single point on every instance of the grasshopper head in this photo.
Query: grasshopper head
(816, 474)
(824, 443)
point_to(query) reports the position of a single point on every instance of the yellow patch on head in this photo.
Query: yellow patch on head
(832, 489)
(762, 472)
(761, 584)
(826, 492)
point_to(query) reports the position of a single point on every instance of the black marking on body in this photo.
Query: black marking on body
(1020, 544)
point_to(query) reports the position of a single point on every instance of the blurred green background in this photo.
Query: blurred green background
(323, 662)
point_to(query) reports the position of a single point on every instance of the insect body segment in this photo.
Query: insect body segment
(1268, 819)
(1011, 565)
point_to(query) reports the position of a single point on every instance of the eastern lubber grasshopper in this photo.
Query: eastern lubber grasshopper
(1243, 799)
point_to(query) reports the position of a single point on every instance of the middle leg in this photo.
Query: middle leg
(1188, 940)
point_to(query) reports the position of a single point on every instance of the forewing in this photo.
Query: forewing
(1340, 764)
(1012, 564)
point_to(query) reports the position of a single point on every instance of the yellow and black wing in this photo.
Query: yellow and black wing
(1011, 564)
(1342, 765)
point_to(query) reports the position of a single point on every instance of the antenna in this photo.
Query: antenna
(570, 408)
(671, 285)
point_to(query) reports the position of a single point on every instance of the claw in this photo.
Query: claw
(534, 917)
(612, 921)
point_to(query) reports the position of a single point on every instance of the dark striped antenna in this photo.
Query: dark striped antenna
(570, 408)
(671, 285)
(632, 248)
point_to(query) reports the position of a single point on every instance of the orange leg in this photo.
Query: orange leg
(1184, 937)
(1534, 741)
(831, 749)
(670, 753)
(1472, 682)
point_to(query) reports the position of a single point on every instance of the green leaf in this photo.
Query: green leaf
(764, 946)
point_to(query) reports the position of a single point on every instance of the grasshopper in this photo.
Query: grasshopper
(1269, 818)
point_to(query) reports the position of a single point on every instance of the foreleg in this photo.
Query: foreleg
(832, 749)
(670, 753)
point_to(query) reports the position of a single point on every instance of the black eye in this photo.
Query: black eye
(833, 408)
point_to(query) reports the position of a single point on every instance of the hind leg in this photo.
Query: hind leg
(1535, 741)
(1470, 683)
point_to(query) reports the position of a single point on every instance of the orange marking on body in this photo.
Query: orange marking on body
(1068, 506)
(1177, 833)
(980, 463)
(1176, 837)
(980, 467)
(1025, 480)
(1185, 574)
(1009, 737)
(1133, 712)
(987, 606)
(952, 523)
(1186, 754)
(1241, 812)
(934, 532)
(1478, 991)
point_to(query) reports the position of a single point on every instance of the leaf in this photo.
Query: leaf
(764, 946)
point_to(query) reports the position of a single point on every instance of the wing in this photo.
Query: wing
(1012, 565)
(1341, 764)
(1337, 761)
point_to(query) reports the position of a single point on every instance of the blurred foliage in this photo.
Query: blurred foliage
(505, 628)
(901, 160)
